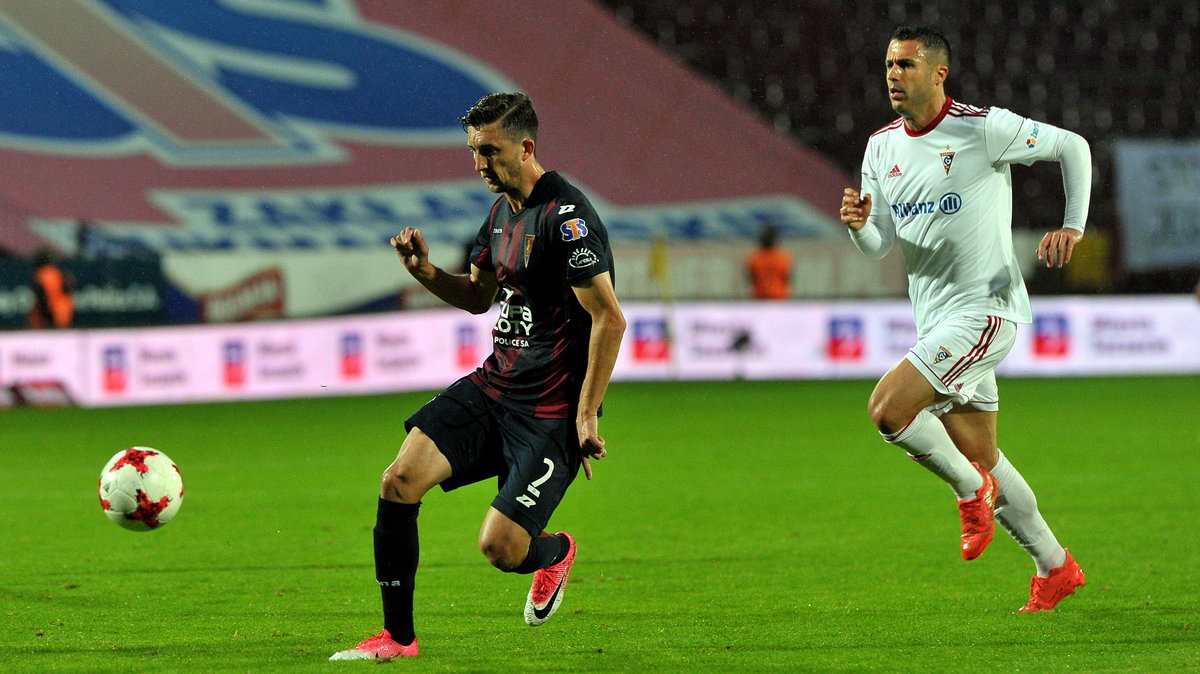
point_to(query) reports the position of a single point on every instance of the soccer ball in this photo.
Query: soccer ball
(140, 488)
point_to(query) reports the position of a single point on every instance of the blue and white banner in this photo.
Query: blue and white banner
(283, 126)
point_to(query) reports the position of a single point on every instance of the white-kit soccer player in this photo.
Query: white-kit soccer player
(938, 180)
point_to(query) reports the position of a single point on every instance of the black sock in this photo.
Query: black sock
(545, 550)
(397, 551)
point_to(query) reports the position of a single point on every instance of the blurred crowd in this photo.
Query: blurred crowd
(814, 70)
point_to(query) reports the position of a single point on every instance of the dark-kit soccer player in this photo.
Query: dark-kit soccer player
(529, 415)
(938, 180)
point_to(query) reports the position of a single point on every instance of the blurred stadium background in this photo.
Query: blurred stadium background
(1105, 69)
(221, 178)
(242, 164)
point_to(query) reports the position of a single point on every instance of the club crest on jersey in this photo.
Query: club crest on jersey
(573, 229)
(947, 160)
(942, 354)
(528, 247)
(895, 172)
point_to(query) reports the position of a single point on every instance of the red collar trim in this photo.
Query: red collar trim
(932, 125)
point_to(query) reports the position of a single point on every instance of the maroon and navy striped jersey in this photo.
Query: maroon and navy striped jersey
(540, 339)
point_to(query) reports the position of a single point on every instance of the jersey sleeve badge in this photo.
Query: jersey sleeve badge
(582, 258)
(573, 229)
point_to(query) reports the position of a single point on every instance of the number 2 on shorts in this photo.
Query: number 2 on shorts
(533, 486)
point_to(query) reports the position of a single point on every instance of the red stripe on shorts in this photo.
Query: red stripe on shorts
(977, 352)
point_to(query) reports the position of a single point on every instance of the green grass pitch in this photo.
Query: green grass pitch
(734, 527)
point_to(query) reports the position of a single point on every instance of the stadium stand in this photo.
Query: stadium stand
(1103, 68)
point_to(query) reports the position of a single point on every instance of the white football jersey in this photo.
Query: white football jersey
(946, 193)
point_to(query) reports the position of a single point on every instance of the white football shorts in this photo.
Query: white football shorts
(959, 359)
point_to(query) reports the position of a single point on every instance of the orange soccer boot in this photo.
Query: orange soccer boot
(978, 516)
(1045, 593)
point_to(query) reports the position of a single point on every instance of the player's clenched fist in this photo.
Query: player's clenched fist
(411, 248)
(854, 209)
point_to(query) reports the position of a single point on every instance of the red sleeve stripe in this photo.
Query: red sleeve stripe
(963, 110)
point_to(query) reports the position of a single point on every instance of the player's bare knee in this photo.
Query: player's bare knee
(875, 411)
(503, 554)
(885, 416)
(397, 485)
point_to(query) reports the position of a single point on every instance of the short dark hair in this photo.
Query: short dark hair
(514, 111)
(931, 38)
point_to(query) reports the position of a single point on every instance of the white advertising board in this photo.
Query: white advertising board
(42, 357)
(426, 350)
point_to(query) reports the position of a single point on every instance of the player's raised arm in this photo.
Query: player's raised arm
(472, 292)
(867, 233)
(855, 209)
(597, 296)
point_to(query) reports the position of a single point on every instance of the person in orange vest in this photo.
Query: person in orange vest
(770, 267)
(53, 306)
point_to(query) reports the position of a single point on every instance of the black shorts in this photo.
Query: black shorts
(535, 460)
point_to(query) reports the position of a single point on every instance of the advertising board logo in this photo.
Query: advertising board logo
(261, 295)
(352, 355)
(845, 342)
(467, 351)
(651, 340)
(1051, 336)
(233, 358)
(115, 369)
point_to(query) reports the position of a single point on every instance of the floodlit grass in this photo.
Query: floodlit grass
(734, 527)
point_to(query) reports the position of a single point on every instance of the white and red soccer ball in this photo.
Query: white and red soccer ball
(140, 488)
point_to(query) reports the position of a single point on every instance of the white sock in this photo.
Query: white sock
(1017, 512)
(928, 443)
